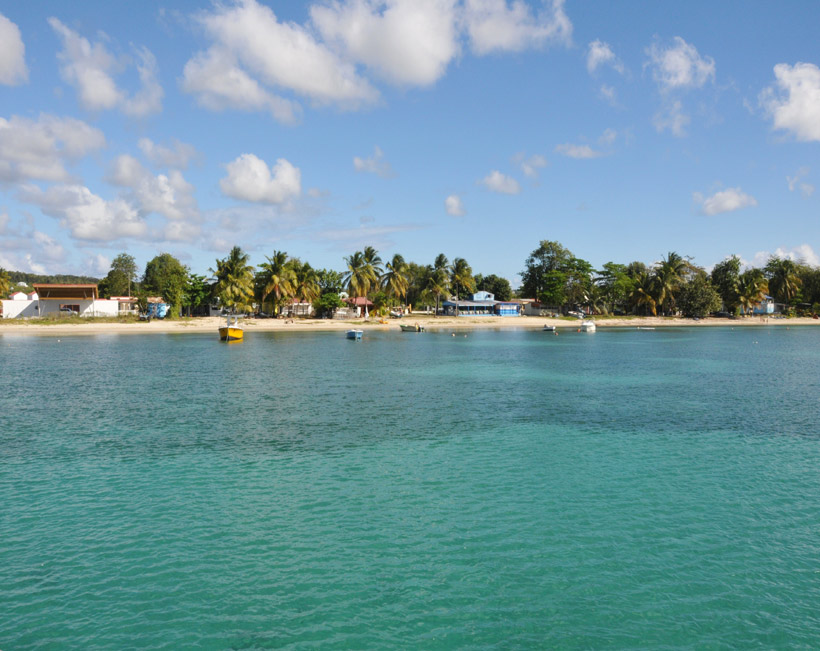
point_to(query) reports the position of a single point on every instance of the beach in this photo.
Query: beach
(211, 324)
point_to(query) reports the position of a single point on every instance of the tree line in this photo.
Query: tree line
(552, 275)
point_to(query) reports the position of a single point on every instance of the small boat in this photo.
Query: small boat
(548, 328)
(356, 335)
(588, 326)
(645, 328)
(231, 331)
(411, 328)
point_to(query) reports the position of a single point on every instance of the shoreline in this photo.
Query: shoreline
(211, 324)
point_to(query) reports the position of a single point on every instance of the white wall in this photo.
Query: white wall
(20, 309)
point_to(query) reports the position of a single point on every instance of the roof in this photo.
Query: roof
(66, 291)
(358, 301)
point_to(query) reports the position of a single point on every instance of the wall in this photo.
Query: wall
(20, 309)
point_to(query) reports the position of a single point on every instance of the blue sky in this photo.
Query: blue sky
(476, 128)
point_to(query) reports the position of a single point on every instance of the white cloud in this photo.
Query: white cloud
(38, 149)
(493, 25)
(178, 155)
(679, 66)
(252, 47)
(608, 93)
(673, 118)
(89, 69)
(530, 165)
(796, 107)
(85, 215)
(454, 207)
(374, 165)
(795, 182)
(13, 69)
(97, 265)
(727, 200)
(250, 179)
(608, 137)
(498, 182)
(599, 54)
(578, 151)
(403, 41)
(48, 247)
(800, 253)
(169, 195)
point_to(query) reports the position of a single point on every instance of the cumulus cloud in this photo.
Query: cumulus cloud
(498, 182)
(177, 155)
(493, 25)
(48, 247)
(376, 164)
(578, 151)
(168, 195)
(794, 102)
(38, 150)
(454, 207)
(600, 54)
(250, 179)
(679, 66)
(673, 118)
(89, 69)
(727, 200)
(530, 165)
(796, 182)
(97, 265)
(800, 253)
(405, 41)
(13, 69)
(86, 215)
(251, 47)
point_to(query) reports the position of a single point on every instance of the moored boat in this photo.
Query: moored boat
(411, 328)
(588, 326)
(354, 334)
(231, 331)
(548, 328)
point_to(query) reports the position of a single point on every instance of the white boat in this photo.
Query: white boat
(588, 326)
(548, 328)
(355, 334)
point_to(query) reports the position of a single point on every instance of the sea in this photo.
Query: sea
(464, 489)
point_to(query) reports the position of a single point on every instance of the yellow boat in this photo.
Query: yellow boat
(231, 331)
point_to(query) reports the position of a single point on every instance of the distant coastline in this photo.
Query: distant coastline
(201, 325)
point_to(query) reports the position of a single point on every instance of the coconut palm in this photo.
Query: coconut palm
(394, 280)
(5, 283)
(751, 289)
(372, 261)
(278, 278)
(307, 282)
(784, 281)
(234, 280)
(643, 294)
(667, 278)
(461, 276)
(438, 284)
(360, 275)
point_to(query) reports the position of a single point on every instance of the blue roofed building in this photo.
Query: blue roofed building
(481, 304)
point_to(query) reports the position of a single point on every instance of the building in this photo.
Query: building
(60, 299)
(481, 304)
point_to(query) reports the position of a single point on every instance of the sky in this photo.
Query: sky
(474, 128)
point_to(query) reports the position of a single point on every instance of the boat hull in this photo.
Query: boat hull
(356, 335)
(231, 333)
(411, 328)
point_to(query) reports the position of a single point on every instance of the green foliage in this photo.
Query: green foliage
(197, 292)
(784, 281)
(394, 280)
(382, 299)
(234, 281)
(5, 283)
(496, 285)
(461, 277)
(613, 287)
(545, 274)
(121, 276)
(166, 276)
(326, 303)
(330, 282)
(698, 297)
(23, 277)
(725, 277)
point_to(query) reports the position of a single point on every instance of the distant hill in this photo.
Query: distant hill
(30, 279)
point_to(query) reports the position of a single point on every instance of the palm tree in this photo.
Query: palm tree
(394, 280)
(5, 283)
(643, 292)
(307, 282)
(234, 277)
(751, 289)
(438, 283)
(461, 277)
(360, 275)
(278, 278)
(784, 281)
(668, 276)
(372, 261)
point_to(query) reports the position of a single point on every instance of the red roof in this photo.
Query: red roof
(359, 301)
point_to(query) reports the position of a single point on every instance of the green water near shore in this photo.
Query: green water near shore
(507, 489)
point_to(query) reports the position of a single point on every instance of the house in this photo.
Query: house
(359, 305)
(297, 308)
(73, 298)
(481, 304)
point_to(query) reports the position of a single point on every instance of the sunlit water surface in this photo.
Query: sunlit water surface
(504, 489)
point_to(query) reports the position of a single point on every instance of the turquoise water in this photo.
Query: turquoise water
(507, 489)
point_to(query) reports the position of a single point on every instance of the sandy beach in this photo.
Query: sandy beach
(211, 324)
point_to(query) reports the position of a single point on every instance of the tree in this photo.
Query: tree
(123, 272)
(614, 286)
(5, 283)
(330, 282)
(438, 283)
(668, 275)
(784, 281)
(277, 277)
(372, 261)
(698, 297)
(166, 276)
(461, 276)
(545, 275)
(751, 289)
(725, 277)
(326, 303)
(196, 292)
(497, 286)
(394, 280)
(234, 281)
(642, 295)
(418, 280)
(306, 285)
(361, 274)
